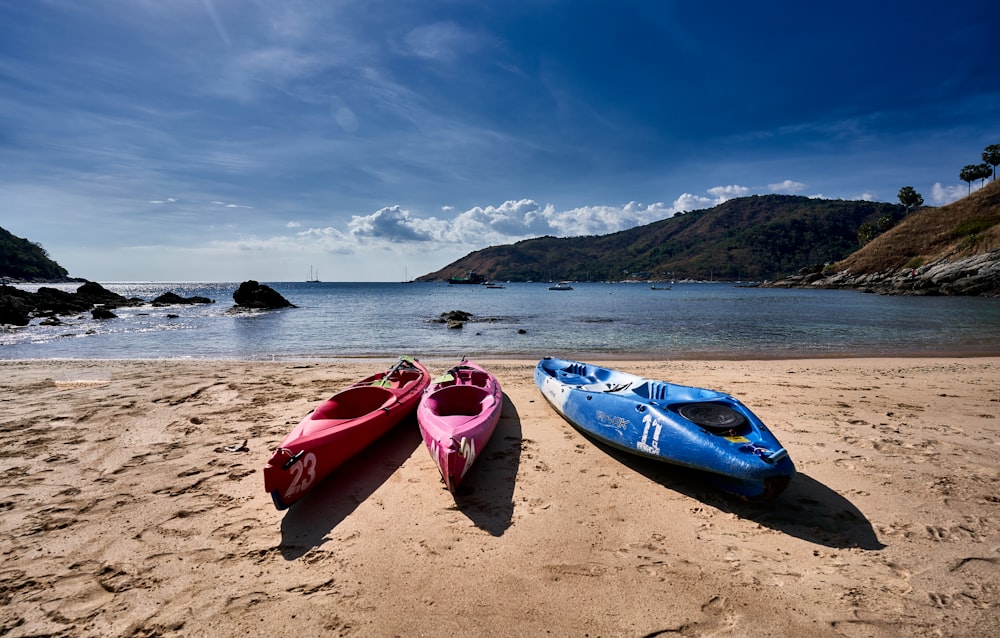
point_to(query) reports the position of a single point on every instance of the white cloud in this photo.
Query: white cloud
(942, 195)
(293, 224)
(513, 218)
(720, 194)
(787, 186)
(724, 193)
(689, 201)
(511, 221)
(229, 205)
(391, 223)
(600, 220)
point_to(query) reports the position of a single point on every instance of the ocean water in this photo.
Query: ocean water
(521, 320)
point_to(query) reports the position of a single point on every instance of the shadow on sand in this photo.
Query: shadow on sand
(486, 494)
(807, 509)
(307, 523)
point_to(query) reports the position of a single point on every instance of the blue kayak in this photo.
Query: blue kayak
(692, 427)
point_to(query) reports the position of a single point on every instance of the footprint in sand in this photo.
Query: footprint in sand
(76, 597)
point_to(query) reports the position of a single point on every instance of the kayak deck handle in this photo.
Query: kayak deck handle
(295, 459)
(774, 457)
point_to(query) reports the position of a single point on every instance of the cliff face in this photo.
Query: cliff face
(952, 250)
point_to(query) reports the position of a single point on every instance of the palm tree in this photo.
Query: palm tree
(969, 173)
(982, 172)
(991, 155)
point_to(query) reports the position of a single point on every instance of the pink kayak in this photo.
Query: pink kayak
(457, 416)
(342, 426)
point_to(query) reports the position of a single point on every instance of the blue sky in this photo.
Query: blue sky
(253, 139)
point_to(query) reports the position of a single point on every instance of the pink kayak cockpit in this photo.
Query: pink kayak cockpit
(459, 400)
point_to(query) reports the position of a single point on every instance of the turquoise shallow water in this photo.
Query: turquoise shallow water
(521, 320)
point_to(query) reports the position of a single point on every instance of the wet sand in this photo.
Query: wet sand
(124, 514)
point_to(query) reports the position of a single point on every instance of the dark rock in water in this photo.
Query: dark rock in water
(252, 294)
(18, 306)
(455, 319)
(15, 309)
(453, 315)
(96, 294)
(90, 294)
(53, 300)
(173, 299)
(102, 313)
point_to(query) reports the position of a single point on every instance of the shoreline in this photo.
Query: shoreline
(124, 513)
(577, 355)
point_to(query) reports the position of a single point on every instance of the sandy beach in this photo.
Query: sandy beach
(124, 513)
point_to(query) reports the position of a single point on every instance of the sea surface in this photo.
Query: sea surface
(520, 320)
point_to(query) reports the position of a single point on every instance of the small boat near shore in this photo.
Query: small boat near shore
(457, 416)
(683, 425)
(472, 278)
(340, 427)
(562, 285)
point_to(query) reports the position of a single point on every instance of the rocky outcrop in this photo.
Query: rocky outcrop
(96, 294)
(254, 295)
(18, 307)
(15, 309)
(173, 299)
(455, 319)
(978, 275)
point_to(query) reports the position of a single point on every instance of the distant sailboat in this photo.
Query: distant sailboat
(313, 277)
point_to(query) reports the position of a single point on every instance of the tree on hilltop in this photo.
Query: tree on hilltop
(972, 172)
(910, 198)
(866, 233)
(991, 155)
(983, 171)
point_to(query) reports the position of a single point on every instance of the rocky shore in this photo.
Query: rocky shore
(978, 275)
(18, 307)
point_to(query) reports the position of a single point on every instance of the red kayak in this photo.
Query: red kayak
(342, 426)
(457, 416)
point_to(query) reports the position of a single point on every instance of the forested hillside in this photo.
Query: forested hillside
(750, 238)
(23, 260)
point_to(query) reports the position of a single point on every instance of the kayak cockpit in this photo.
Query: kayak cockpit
(459, 400)
(354, 402)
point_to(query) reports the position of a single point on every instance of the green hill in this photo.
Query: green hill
(967, 227)
(951, 250)
(750, 238)
(22, 260)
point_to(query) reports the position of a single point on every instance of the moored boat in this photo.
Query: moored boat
(683, 425)
(457, 416)
(562, 285)
(472, 278)
(342, 426)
